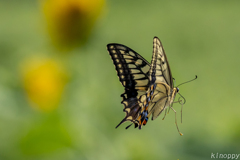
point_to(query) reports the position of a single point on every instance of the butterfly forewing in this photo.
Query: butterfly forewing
(160, 70)
(132, 70)
(157, 98)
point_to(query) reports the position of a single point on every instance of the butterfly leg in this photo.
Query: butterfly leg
(181, 112)
(180, 101)
(165, 114)
(176, 120)
(168, 110)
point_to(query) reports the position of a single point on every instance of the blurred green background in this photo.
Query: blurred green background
(59, 101)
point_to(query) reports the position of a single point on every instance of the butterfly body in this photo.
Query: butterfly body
(159, 97)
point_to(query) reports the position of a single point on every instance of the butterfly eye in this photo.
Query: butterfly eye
(177, 90)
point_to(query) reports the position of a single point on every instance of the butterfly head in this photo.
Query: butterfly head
(177, 89)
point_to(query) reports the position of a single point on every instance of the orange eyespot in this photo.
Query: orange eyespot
(145, 121)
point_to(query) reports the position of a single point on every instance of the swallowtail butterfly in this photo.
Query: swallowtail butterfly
(149, 88)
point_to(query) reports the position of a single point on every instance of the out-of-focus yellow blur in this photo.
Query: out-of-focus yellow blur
(44, 81)
(70, 22)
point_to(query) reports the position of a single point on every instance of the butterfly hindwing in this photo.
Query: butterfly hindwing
(133, 71)
(160, 99)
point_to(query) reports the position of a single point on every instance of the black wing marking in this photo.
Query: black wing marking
(133, 71)
(160, 70)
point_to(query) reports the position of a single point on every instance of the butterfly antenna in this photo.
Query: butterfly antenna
(187, 81)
